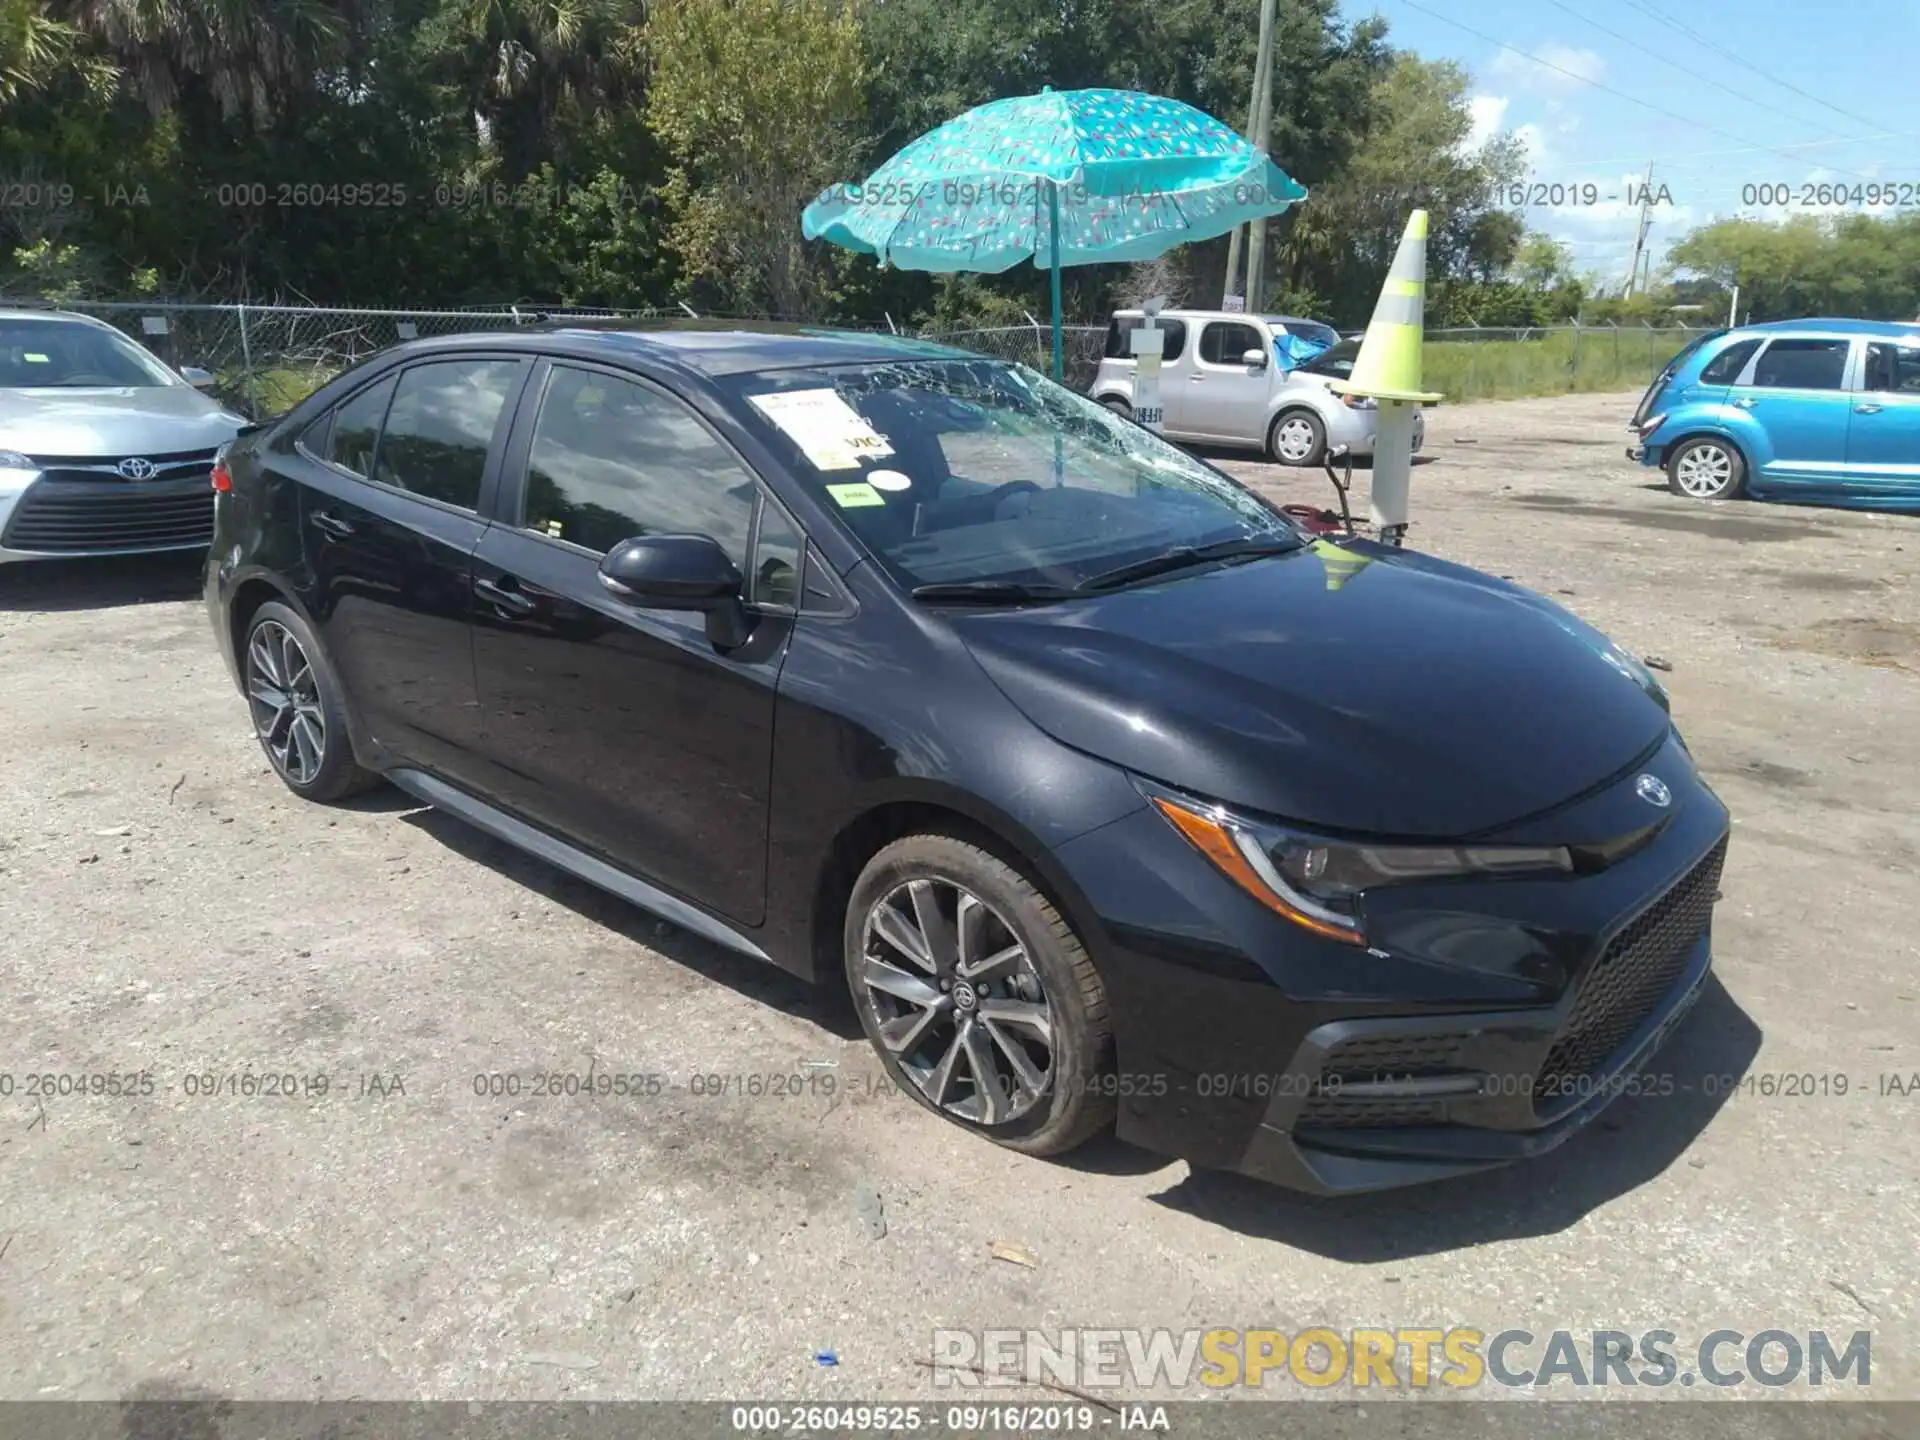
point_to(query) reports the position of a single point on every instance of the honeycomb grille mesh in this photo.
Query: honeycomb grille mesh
(1638, 968)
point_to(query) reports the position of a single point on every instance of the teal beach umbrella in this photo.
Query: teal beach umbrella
(1069, 177)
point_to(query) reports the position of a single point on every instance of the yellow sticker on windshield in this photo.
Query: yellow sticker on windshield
(851, 497)
(34, 357)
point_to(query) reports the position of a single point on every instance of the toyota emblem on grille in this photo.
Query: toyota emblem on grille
(136, 468)
(1653, 790)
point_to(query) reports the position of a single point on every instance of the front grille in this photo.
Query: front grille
(1328, 1111)
(174, 465)
(1638, 969)
(1369, 1058)
(75, 516)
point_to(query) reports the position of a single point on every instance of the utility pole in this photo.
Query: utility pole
(1640, 230)
(1262, 137)
(1262, 88)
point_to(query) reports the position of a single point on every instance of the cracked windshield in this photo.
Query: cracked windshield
(977, 473)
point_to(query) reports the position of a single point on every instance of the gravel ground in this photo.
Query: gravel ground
(167, 909)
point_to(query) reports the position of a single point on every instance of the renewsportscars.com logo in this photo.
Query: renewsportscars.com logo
(1458, 1358)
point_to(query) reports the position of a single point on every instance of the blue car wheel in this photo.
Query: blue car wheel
(1706, 468)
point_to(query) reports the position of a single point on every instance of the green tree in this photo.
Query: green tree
(759, 104)
(1412, 154)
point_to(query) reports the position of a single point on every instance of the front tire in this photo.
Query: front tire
(978, 997)
(1706, 468)
(1118, 406)
(1297, 438)
(299, 712)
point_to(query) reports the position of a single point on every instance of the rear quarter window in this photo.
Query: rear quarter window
(1122, 326)
(1725, 368)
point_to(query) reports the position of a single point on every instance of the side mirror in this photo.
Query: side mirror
(196, 377)
(1254, 359)
(680, 572)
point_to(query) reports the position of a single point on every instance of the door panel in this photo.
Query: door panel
(1225, 399)
(1795, 391)
(391, 558)
(1883, 431)
(625, 729)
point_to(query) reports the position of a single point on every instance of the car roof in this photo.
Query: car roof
(708, 348)
(64, 315)
(1191, 315)
(1892, 329)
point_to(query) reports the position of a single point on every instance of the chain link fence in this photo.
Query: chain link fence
(265, 358)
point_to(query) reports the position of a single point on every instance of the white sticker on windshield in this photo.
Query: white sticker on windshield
(829, 432)
(889, 480)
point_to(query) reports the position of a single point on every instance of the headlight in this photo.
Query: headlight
(16, 468)
(1360, 402)
(1317, 883)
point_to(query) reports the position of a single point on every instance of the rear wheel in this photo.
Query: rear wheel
(1706, 468)
(1118, 407)
(1297, 437)
(299, 715)
(980, 1000)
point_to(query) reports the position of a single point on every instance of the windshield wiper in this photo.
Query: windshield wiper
(1183, 556)
(992, 592)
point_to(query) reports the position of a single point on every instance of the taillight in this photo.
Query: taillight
(220, 475)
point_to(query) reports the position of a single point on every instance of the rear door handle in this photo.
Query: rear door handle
(501, 598)
(329, 524)
(1744, 403)
(1866, 409)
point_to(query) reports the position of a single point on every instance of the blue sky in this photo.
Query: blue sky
(1728, 123)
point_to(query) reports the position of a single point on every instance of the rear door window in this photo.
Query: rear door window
(440, 426)
(1802, 365)
(1223, 342)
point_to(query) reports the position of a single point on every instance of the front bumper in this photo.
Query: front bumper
(1437, 1098)
(1486, 1022)
(66, 518)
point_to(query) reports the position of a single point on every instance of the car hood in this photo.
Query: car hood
(112, 422)
(1346, 687)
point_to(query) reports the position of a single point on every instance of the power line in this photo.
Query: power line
(1722, 50)
(1596, 84)
(1691, 74)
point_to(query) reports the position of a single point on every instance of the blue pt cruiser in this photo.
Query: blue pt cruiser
(1821, 411)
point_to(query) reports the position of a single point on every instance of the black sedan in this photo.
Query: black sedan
(1110, 795)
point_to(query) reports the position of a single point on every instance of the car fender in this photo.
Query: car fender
(231, 583)
(1725, 422)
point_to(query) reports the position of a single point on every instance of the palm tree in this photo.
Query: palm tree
(245, 53)
(542, 56)
(35, 48)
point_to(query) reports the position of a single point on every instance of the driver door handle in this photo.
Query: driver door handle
(1866, 409)
(329, 524)
(511, 602)
(1745, 402)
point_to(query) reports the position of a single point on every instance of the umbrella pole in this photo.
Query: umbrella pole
(1053, 234)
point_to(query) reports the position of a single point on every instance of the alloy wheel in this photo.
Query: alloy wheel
(957, 1001)
(1294, 439)
(285, 697)
(1704, 471)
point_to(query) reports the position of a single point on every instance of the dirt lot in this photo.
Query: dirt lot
(166, 907)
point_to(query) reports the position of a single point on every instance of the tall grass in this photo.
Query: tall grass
(1547, 362)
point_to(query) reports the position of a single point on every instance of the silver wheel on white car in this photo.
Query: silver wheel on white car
(1297, 438)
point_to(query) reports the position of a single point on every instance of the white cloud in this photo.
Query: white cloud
(1487, 111)
(1566, 67)
(1535, 139)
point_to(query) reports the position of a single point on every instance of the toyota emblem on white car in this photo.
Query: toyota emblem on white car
(136, 468)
